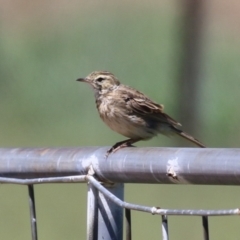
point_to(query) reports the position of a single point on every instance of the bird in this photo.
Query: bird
(129, 112)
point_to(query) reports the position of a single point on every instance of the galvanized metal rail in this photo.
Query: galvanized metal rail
(136, 165)
(130, 165)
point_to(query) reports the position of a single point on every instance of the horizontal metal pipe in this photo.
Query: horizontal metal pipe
(44, 162)
(135, 165)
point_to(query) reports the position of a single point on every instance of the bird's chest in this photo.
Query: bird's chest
(107, 108)
(111, 113)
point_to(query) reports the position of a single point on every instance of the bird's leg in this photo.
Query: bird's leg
(122, 144)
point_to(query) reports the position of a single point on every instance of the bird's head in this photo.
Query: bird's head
(101, 81)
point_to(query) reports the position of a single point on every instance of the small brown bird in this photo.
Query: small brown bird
(130, 112)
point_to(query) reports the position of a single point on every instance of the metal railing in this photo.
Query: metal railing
(106, 178)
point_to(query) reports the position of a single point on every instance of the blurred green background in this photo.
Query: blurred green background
(46, 45)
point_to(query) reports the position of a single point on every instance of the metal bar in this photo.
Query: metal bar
(110, 215)
(172, 165)
(43, 162)
(200, 212)
(32, 212)
(68, 179)
(92, 213)
(159, 211)
(165, 227)
(128, 224)
(205, 228)
(135, 165)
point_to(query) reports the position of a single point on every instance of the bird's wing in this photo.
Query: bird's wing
(142, 105)
(152, 110)
(145, 106)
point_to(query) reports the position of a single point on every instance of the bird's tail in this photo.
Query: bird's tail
(189, 137)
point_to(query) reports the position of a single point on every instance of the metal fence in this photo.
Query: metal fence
(106, 178)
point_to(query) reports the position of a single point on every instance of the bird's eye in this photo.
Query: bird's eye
(100, 79)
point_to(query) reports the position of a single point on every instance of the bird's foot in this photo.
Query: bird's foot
(119, 145)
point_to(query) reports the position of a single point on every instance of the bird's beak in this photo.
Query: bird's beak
(82, 80)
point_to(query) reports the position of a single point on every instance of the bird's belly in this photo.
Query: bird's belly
(129, 126)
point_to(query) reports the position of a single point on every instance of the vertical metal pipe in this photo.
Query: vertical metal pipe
(92, 213)
(165, 227)
(190, 74)
(205, 228)
(128, 224)
(110, 216)
(32, 212)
